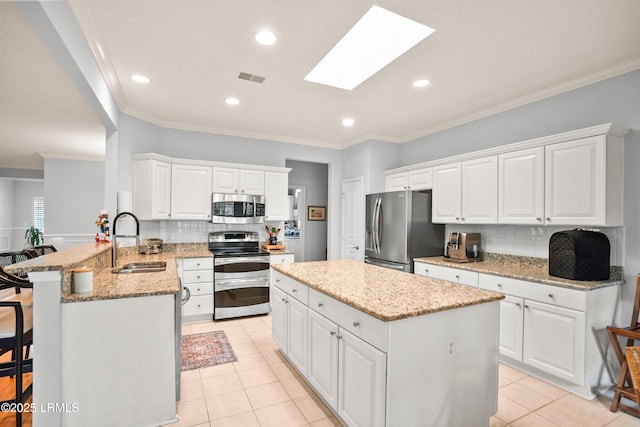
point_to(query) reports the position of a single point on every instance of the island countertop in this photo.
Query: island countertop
(106, 285)
(381, 292)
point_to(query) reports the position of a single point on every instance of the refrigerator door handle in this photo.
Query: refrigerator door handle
(378, 228)
(374, 226)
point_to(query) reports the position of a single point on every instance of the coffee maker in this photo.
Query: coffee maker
(463, 247)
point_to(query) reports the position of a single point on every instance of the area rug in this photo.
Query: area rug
(206, 349)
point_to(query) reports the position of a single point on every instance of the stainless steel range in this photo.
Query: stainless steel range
(241, 274)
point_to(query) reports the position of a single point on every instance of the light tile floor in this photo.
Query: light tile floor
(262, 389)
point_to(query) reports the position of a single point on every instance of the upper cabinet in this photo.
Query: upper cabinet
(276, 199)
(419, 179)
(167, 188)
(190, 192)
(574, 178)
(241, 181)
(466, 192)
(152, 189)
(521, 187)
(583, 182)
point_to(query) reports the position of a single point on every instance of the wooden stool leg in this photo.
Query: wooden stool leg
(615, 403)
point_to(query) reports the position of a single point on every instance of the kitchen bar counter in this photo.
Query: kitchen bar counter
(381, 292)
(107, 285)
(524, 268)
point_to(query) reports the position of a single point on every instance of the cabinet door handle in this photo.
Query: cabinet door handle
(518, 304)
(551, 296)
(339, 337)
(198, 277)
(526, 306)
(462, 219)
(283, 300)
(500, 285)
(548, 218)
(458, 276)
(198, 289)
(426, 270)
(356, 324)
(320, 305)
(332, 333)
(294, 290)
(457, 218)
(277, 280)
(538, 219)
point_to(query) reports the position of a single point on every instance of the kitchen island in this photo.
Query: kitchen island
(387, 348)
(105, 357)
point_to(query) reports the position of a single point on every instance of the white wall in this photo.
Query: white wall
(74, 196)
(369, 160)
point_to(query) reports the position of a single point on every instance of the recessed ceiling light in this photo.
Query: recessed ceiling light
(421, 83)
(266, 38)
(139, 78)
(232, 101)
(377, 39)
(348, 122)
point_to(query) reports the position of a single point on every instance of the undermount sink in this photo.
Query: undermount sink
(140, 267)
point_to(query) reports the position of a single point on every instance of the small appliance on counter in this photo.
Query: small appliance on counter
(151, 246)
(463, 247)
(579, 255)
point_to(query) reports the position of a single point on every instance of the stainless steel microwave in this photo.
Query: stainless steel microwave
(236, 208)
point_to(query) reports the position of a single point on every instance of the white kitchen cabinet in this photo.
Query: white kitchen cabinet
(241, 181)
(466, 192)
(554, 340)
(447, 193)
(276, 199)
(511, 327)
(480, 191)
(419, 179)
(521, 187)
(276, 258)
(361, 382)
(289, 308)
(196, 275)
(583, 182)
(450, 274)
(152, 189)
(551, 331)
(190, 192)
(322, 371)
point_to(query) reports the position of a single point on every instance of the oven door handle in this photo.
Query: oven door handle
(238, 260)
(246, 283)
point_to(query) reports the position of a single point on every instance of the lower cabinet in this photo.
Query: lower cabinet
(196, 276)
(552, 332)
(289, 317)
(348, 373)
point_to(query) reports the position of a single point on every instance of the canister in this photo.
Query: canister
(82, 281)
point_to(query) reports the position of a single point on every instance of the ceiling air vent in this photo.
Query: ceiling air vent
(251, 77)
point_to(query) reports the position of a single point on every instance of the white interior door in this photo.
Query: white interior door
(353, 219)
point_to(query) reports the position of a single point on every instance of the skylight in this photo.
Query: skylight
(376, 40)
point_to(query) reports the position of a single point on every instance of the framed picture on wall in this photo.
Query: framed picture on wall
(317, 213)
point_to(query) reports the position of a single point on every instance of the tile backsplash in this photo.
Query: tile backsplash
(176, 231)
(533, 241)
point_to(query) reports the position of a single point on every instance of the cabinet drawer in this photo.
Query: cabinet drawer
(281, 259)
(291, 287)
(197, 263)
(200, 289)
(364, 326)
(197, 276)
(455, 275)
(554, 295)
(198, 305)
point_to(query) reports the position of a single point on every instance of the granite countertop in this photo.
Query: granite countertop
(525, 268)
(381, 292)
(106, 285)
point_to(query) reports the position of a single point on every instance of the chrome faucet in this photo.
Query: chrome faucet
(114, 245)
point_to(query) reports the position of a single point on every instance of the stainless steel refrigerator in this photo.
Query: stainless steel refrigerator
(399, 229)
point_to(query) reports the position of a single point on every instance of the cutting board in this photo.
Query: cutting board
(273, 247)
